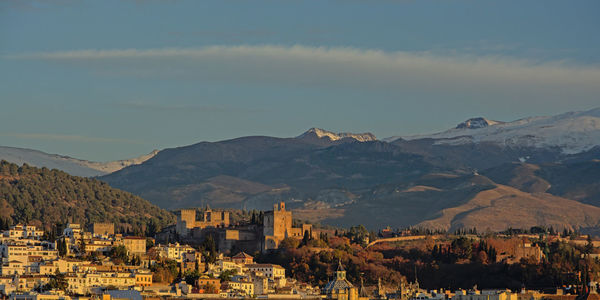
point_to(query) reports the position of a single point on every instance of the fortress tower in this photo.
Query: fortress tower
(186, 220)
(277, 226)
(214, 219)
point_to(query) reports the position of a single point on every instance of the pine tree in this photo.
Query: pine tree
(210, 248)
(305, 238)
(61, 246)
(434, 252)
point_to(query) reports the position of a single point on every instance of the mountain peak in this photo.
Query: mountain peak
(476, 123)
(571, 132)
(332, 136)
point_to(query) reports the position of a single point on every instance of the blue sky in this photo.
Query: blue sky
(105, 80)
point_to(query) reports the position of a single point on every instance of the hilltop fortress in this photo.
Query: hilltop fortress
(186, 220)
(276, 226)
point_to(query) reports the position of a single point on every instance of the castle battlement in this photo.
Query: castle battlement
(187, 220)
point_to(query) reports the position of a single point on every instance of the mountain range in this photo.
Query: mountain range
(73, 166)
(482, 173)
(572, 132)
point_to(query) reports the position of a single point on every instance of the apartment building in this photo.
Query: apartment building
(84, 283)
(20, 231)
(22, 253)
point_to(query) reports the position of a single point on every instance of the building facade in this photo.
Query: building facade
(135, 245)
(102, 229)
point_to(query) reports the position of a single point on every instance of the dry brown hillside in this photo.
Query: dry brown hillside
(503, 207)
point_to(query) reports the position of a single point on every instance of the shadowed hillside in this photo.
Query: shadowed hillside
(248, 172)
(339, 180)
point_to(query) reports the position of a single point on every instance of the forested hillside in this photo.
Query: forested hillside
(48, 197)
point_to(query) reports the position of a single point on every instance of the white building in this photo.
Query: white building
(84, 283)
(13, 267)
(72, 231)
(23, 232)
(225, 265)
(23, 253)
(57, 265)
(485, 295)
(271, 271)
(241, 286)
(175, 251)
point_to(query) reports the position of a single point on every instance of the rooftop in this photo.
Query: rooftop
(263, 266)
(242, 255)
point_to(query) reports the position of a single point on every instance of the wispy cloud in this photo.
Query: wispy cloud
(69, 138)
(225, 35)
(151, 106)
(340, 67)
(34, 5)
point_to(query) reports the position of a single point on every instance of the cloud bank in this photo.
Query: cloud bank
(69, 138)
(347, 68)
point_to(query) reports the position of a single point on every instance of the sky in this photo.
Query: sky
(107, 80)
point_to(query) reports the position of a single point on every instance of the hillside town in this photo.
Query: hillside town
(90, 262)
(95, 261)
(299, 150)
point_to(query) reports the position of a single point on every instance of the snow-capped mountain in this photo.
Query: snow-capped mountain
(571, 132)
(70, 165)
(321, 133)
(112, 166)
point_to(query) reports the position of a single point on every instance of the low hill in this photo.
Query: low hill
(46, 197)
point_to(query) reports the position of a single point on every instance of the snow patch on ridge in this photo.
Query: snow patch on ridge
(68, 164)
(572, 132)
(321, 133)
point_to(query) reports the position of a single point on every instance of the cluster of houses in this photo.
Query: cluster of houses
(81, 263)
(31, 264)
(246, 279)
